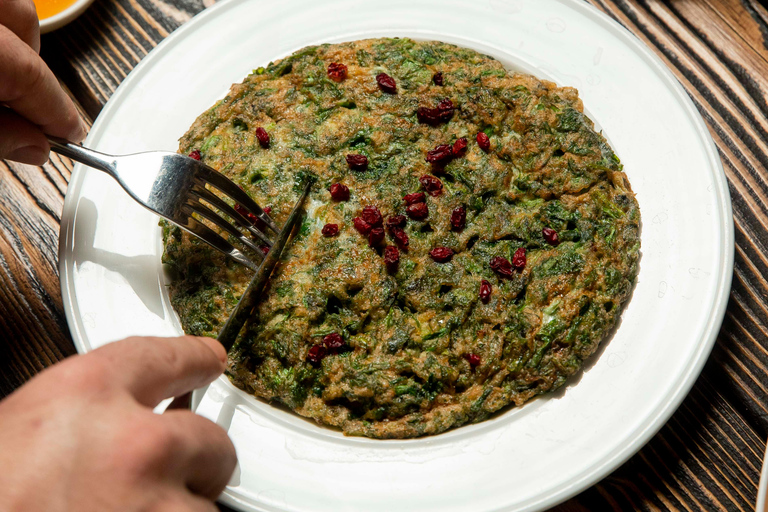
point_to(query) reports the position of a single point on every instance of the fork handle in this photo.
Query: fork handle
(83, 155)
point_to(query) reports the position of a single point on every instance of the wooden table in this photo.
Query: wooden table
(709, 454)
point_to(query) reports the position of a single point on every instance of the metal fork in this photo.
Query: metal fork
(174, 187)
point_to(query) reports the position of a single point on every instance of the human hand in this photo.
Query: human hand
(82, 436)
(35, 104)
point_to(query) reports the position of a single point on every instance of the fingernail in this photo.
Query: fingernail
(33, 155)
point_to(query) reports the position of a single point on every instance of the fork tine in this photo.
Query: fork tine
(227, 187)
(209, 214)
(213, 239)
(207, 195)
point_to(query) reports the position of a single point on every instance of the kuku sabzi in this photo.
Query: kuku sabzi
(468, 243)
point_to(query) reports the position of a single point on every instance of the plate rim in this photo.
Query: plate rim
(652, 423)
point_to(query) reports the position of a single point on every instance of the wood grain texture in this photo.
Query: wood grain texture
(707, 457)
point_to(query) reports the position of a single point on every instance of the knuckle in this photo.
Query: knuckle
(145, 444)
(85, 375)
(30, 73)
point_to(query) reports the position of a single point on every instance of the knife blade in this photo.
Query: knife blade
(236, 320)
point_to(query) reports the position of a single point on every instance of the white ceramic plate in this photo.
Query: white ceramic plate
(528, 458)
(762, 489)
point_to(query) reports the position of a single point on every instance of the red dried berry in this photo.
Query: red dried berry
(258, 222)
(518, 259)
(459, 147)
(472, 359)
(483, 141)
(434, 116)
(245, 213)
(386, 83)
(263, 137)
(316, 354)
(437, 78)
(485, 291)
(441, 155)
(459, 218)
(264, 249)
(550, 235)
(357, 162)
(361, 226)
(501, 266)
(372, 216)
(391, 257)
(417, 211)
(375, 237)
(432, 185)
(330, 230)
(333, 342)
(441, 254)
(195, 153)
(416, 197)
(339, 192)
(337, 71)
(396, 221)
(401, 238)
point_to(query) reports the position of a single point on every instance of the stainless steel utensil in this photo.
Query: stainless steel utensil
(245, 305)
(174, 187)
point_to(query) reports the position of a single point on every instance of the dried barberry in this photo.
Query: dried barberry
(251, 217)
(386, 83)
(459, 218)
(316, 354)
(401, 237)
(361, 226)
(432, 185)
(264, 249)
(391, 257)
(483, 141)
(263, 137)
(337, 71)
(441, 155)
(441, 254)
(339, 192)
(417, 211)
(459, 147)
(485, 291)
(396, 221)
(416, 197)
(442, 113)
(357, 162)
(437, 78)
(334, 343)
(472, 359)
(501, 266)
(330, 230)
(372, 216)
(550, 235)
(195, 153)
(518, 259)
(245, 213)
(375, 237)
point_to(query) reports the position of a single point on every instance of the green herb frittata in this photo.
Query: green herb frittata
(468, 242)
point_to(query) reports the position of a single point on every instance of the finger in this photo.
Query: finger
(20, 16)
(28, 87)
(152, 369)
(207, 457)
(21, 140)
(183, 502)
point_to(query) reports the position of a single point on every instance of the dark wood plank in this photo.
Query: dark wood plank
(31, 315)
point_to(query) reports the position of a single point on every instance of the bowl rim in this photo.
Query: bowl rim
(62, 18)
